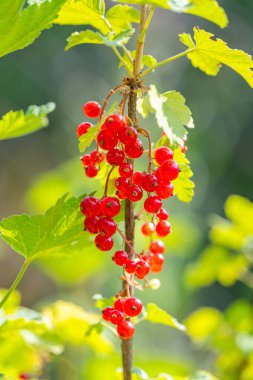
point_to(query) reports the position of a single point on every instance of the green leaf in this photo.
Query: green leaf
(52, 233)
(121, 17)
(183, 186)
(91, 37)
(76, 322)
(203, 323)
(235, 207)
(203, 375)
(86, 140)
(19, 28)
(216, 264)
(207, 9)
(157, 315)
(209, 55)
(170, 111)
(101, 302)
(20, 123)
(84, 12)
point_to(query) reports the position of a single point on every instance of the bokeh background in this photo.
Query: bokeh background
(37, 169)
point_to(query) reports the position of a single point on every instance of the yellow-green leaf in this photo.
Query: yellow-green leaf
(19, 123)
(84, 12)
(121, 17)
(170, 111)
(183, 186)
(157, 315)
(203, 323)
(91, 37)
(207, 9)
(210, 54)
(20, 27)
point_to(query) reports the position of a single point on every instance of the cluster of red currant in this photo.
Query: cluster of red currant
(118, 142)
(120, 313)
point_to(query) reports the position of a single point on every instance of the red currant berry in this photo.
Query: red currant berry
(163, 154)
(157, 260)
(125, 330)
(148, 229)
(122, 184)
(156, 268)
(96, 157)
(157, 246)
(132, 307)
(163, 214)
(121, 195)
(90, 206)
(128, 135)
(92, 109)
(110, 206)
(150, 182)
(152, 204)
(130, 266)
(169, 169)
(117, 317)
(115, 157)
(91, 171)
(103, 243)
(141, 268)
(107, 140)
(91, 224)
(162, 179)
(120, 258)
(106, 226)
(119, 304)
(126, 170)
(115, 122)
(137, 178)
(86, 159)
(106, 313)
(134, 150)
(165, 191)
(134, 193)
(83, 128)
(24, 376)
(163, 228)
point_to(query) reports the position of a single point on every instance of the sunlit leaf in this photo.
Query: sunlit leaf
(172, 115)
(84, 12)
(121, 17)
(235, 207)
(76, 322)
(202, 323)
(157, 315)
(210, 54)
(19, 123)
(91, 37)
(216, 264)
(48, 234)
(183, 186)
(22, 26)
(207, 9)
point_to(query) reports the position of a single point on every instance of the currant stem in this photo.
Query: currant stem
(15, 282)
(145, 133)
(127, 345)
(105, 101)
(165, 61)
(107, 181)
(122, 61)
(127, 242)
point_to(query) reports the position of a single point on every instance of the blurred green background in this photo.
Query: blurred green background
(219, 148)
